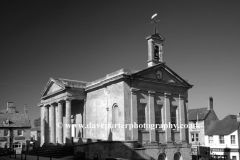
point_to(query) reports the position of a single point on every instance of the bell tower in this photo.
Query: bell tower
(155, 45)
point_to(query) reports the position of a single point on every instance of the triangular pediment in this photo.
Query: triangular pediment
(51, 88)
(162, 74)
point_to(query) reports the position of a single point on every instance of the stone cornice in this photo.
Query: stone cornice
(104, 82)
(159, 82)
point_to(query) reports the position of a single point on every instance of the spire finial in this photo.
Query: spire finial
(155, 21)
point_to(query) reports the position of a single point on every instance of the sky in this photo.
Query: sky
(85, 40)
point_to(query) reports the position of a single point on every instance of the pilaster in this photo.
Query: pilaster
(182, 118)
(167, 106)
(134, 117)
(151, 116)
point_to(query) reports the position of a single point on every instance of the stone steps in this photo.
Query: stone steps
(53, 151)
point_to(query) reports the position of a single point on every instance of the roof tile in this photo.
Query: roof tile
(15, 120)
(223, 127)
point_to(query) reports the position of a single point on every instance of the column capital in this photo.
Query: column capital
(53, 104)
(167, 95)
(134, 90)
(182, 97)
(69, 99)
(151, 93)
(46, 105)
(60, 102)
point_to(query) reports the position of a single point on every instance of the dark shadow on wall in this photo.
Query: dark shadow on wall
(46, 132)
(110, 135)
(115, 149)
(227, 153)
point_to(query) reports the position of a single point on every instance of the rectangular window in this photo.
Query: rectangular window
(196, 136)
(221, 139)
(233, 139)
(192, 137)
(17, 145)
(158, 116)
(194, 124)
(19, 133)
(141, 115)
(5, 133)
(210, 139)
(234, 157)
(173, 116)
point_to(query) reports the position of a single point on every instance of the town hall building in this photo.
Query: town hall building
(155, 95)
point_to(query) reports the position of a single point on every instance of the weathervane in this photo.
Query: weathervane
(155, 21)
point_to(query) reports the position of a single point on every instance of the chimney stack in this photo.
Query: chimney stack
(9, 104)
(11, 108)
(238, 117)
(25, 109)
(210, 103)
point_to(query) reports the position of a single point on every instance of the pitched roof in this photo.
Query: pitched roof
(71, 83)
(35, 129)
(223, 127)
(64, 83)
(197, 114)
(6, 111)
(16, 120)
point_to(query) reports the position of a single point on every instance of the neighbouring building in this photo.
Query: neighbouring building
(14, 128)
(223, 137)
(155, 95)
(36, 135)
(199, 119)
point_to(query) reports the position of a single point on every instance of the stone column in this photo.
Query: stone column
(167, 106)
(56, 120)
(182, 111)
(84, 120)
(67, 134)
(42, 125)
(151, 116)
(46, 112)
(134, 116)
(60, 122)
(52, 123)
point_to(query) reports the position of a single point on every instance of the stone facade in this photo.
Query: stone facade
(155, 95)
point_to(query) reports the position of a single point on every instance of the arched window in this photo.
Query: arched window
(115, 114)
(177, 156)
(162, 156)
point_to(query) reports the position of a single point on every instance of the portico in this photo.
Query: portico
(62, 103)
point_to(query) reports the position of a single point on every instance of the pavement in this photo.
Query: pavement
(30, 157)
